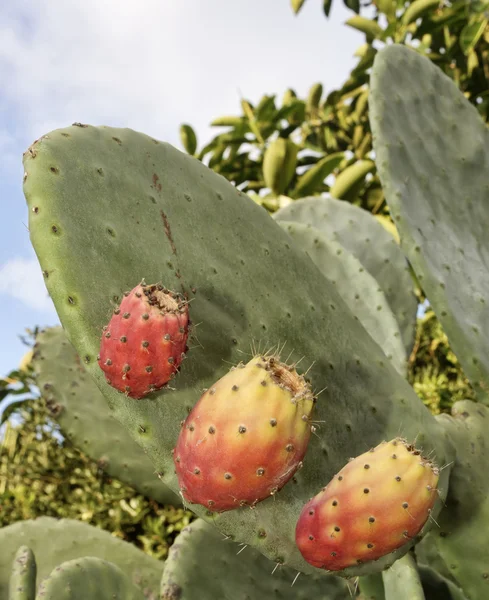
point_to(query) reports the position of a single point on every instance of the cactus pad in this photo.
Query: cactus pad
(53, 541)
(432, 152)
(23, 578)
(459, 547)
(203, 565)
(110, 207)
(402, 580)
(360, 232)
(359, 289)
(85, 419)
(88, 577)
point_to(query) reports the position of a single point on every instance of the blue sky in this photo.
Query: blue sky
(147, 65)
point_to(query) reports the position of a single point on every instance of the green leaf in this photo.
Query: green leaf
(266, 109)
(11, 408)
(327, 6)
(188, 138)
(370, 28)
(353, 5)
(250, 115)
(471, 34)
(350, 178)
(387, 7)
(228, 121)
(417, 9)
(312, 180)
(297, 5)
(472, 62)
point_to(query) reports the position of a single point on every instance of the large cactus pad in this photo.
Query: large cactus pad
(109, 207)
(85, 419)
(432, 152)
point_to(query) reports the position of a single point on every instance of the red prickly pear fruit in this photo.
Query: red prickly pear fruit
(246, 436)
(145, 342)
(374, 505)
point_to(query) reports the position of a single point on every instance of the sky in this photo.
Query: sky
(148, 65)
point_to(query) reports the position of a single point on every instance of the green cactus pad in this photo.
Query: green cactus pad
(85, 419)
(432, 152)
(88, 577)
(435, 587)
(359, 290)
(23, 578)
(360, 232)
(402, 580)
(53, 541)
(459, 546)
(109, 207)
(203, 565)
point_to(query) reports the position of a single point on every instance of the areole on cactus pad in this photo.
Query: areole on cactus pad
(246, 436)
(374, 505)
(145, 342)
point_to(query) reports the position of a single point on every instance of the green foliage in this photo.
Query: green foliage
(434, 371)
(40, 475)
(332, 134)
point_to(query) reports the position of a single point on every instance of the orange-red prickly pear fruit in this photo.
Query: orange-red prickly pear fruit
(145, 342)
(374, 505)
(246, 436)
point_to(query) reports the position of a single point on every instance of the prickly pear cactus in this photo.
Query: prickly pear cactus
(109, 207)
(435, 586)
(432, 152)
(23, 578)
(356, 286)
(88, 577)
(402, 580)
(85, 419)
(458, 547)
(360, 233)
(53, 541)
(203, 565)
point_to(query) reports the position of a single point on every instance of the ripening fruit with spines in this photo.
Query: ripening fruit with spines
(246, 436)
(145, 341)
(373, 506)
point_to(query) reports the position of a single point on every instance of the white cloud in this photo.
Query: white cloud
(22, 279)
(151, 65)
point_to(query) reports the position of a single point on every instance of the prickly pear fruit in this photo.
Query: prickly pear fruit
(374, 505)
(246, 436)
(145, 342)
